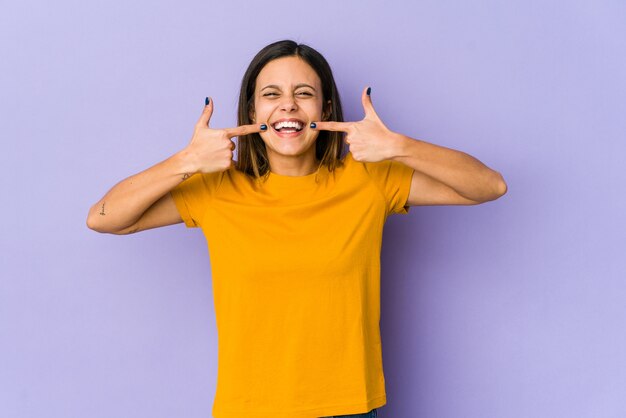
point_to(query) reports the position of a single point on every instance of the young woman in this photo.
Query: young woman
(294, 229)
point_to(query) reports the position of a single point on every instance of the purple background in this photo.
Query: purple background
(515, 308)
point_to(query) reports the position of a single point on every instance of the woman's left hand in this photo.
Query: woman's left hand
(369, 139)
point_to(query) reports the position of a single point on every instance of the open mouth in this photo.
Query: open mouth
(287, 126)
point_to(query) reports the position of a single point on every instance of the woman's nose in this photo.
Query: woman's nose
(288, 103)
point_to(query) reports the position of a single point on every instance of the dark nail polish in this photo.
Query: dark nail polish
(313, 125)
(263, 127)
(206, 101)
(369, 90)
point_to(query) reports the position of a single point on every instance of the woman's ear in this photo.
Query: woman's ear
(328, 111)
(251, 115)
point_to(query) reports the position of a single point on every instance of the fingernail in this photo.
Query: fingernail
(369, 90)
(263, 127)
(313, 125)
(207, 101)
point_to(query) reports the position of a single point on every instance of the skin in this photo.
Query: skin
(289, 88)
(143, 201)
(442, 176)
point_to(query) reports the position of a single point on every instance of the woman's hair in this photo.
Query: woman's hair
(251, 153)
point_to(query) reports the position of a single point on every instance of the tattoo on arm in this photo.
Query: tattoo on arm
(102, 211)
(186, 176)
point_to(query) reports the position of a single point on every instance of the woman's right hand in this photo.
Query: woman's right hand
(211, 150)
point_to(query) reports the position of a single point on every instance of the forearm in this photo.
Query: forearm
(465, 174)
(126, 202)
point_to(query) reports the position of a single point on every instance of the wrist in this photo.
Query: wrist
(185, 162)
(399, 145)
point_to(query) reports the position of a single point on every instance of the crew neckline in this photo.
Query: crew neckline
(307, 179)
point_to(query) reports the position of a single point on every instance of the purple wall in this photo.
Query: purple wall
(515, 308)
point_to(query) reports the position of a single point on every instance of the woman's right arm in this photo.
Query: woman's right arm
(143, 201)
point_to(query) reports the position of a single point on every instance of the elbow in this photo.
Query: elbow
(503, 190)
(95, 223)
(98, 227)
(494, 188)
(499, 186)
(92, 223)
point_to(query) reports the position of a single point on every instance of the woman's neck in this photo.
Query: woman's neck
(301, 165)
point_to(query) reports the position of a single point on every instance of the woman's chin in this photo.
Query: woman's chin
(288, 148)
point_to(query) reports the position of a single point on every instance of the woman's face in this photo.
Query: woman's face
(288, 89)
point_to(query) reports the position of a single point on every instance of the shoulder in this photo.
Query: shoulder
(379, 170)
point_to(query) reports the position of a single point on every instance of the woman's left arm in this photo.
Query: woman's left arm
(442, 176)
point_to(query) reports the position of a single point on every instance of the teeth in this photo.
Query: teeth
(288, 124)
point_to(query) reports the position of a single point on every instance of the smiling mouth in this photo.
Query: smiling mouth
(291, 126)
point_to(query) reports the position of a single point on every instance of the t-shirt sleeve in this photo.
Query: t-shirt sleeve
(193, 195)
(394, 181)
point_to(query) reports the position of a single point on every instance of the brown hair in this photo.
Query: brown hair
(251, 153)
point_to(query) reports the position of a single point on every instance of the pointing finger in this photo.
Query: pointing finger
(331, 126)
(245, 130)
(205, 117)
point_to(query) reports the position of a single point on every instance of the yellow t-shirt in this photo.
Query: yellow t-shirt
(296, 284)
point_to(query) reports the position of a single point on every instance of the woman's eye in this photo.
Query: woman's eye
(302, 93)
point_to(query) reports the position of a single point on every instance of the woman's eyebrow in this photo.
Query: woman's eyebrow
(274, 86)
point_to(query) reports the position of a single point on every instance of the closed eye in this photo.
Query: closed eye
(305, 93)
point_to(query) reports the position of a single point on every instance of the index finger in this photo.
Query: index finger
(245, 130)
(332, 126)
